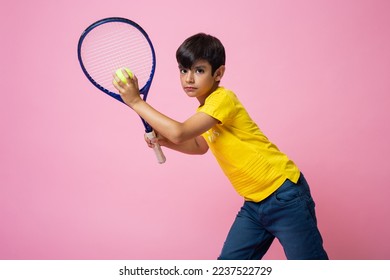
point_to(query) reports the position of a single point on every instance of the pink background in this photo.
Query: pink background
(76, 178)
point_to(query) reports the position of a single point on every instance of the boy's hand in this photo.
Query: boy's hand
(129, 90)
(150, 142)
(161, 140)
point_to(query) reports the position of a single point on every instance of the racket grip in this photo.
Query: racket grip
(157, 148)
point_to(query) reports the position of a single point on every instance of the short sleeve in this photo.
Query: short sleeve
(220, 106)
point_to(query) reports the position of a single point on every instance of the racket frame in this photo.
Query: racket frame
(150, 134)
(145, 89)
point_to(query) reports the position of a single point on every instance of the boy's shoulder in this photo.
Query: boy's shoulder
(222, 93)
(222, 99)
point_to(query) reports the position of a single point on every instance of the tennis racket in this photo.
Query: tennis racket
(114, 43)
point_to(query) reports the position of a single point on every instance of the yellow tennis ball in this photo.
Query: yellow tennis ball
(120, 75)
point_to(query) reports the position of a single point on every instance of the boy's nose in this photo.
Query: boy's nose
(189, 77)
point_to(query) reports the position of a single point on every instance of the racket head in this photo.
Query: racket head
(113, 43)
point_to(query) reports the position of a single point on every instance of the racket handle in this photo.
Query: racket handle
(157, 148)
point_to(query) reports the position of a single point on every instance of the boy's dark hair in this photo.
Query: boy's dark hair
(201, 46)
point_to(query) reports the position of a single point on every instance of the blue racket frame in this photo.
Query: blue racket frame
(145, 89)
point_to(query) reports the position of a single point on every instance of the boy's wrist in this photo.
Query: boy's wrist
(134, 103)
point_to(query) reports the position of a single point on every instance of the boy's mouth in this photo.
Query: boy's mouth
(189, 88)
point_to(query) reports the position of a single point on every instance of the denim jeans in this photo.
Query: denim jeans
(288, 214)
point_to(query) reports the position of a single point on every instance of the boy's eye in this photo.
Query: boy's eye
(183, 71)
(200, 70)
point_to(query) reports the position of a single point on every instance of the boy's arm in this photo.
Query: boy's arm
(181, 136)
(195, 146)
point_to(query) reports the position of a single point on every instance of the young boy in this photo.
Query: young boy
(277, 197)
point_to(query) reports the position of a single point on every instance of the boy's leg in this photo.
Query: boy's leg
(293, 221)
(247, 238)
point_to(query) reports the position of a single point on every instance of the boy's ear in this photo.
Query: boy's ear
(218, 74)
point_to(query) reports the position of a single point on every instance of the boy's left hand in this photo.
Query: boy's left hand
(129, 90)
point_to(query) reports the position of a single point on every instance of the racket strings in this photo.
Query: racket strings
(115, 45)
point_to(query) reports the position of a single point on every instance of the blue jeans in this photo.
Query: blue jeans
(288, 214)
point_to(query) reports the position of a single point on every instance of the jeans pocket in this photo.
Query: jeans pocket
(288, 192)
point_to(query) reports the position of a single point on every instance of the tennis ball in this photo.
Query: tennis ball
(120, 75)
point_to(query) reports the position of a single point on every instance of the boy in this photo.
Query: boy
(277, 197)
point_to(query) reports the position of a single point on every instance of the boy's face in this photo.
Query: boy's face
(198, 81)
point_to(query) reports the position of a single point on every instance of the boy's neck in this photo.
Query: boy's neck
(203, 98)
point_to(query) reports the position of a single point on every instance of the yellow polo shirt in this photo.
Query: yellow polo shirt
(254, 165)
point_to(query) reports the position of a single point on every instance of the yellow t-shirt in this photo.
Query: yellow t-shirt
(254, 165)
